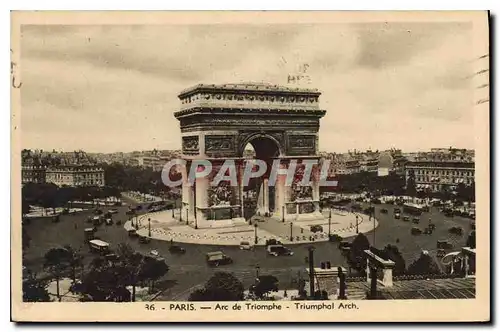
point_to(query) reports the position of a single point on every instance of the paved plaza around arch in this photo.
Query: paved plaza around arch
(167, 228)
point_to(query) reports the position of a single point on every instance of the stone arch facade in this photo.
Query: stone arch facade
(218, 121)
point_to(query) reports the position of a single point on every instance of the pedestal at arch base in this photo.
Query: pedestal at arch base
(218, 217)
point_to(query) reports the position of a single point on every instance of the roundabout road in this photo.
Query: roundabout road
(189, 271)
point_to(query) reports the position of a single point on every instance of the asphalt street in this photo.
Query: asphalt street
(189, 271)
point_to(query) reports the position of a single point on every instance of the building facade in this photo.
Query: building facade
(75, 176)
(436, 175)
(33, 173)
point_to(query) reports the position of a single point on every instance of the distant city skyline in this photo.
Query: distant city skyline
(113, 88)
(179, 149)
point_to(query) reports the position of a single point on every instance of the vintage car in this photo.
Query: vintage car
(245, 245)
(216, 258)
(279, 250)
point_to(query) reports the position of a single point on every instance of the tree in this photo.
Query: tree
(35, 290)
(391, 252)
(222, 286)
(104, 283)
(153, 270)
(356, 257)
(75, 260)
(265, 284)
(133, 264)
(56, 261)
(424, 265)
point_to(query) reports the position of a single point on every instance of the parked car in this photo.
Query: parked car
(316, 228)
(109, 222)
(154, 253)
(440, 253)
(245, 245)
(175, 249)
(416, 220)
(217, 258)
(384, 211)
(279, 250)
(406, 218)
(397, 210)
(397, 216)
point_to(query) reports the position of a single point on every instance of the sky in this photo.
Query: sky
(114, 88)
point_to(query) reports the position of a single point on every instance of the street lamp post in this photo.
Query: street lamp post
(291, 231)
(373, 217)
(256, 238)
(257, 270)
(149, 227)
(187, 216)
(283, 213)
(329, 224)
(180, 214)
(357, 225)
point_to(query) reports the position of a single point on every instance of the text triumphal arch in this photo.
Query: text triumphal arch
(218, 121)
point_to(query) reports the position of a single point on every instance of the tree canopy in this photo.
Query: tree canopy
(222, 286)
(356, 257)
(424, 265)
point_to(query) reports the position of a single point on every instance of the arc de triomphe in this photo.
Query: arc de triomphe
(218, 121)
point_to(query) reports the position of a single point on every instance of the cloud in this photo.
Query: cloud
(382, 84)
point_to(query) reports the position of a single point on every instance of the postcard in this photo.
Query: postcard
(250, 166)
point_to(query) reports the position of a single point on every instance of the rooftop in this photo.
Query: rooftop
(446, 288)
(248, 86)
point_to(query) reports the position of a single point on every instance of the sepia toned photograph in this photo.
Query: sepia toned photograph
(251, 166)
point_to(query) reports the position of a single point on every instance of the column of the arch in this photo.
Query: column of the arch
(185, 192)
(281, 194)
(263, 198)
(241, 173)
(190, 210)
(201, 191)
(315, 187)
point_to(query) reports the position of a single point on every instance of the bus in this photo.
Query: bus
(414, 209)
(99, 246)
